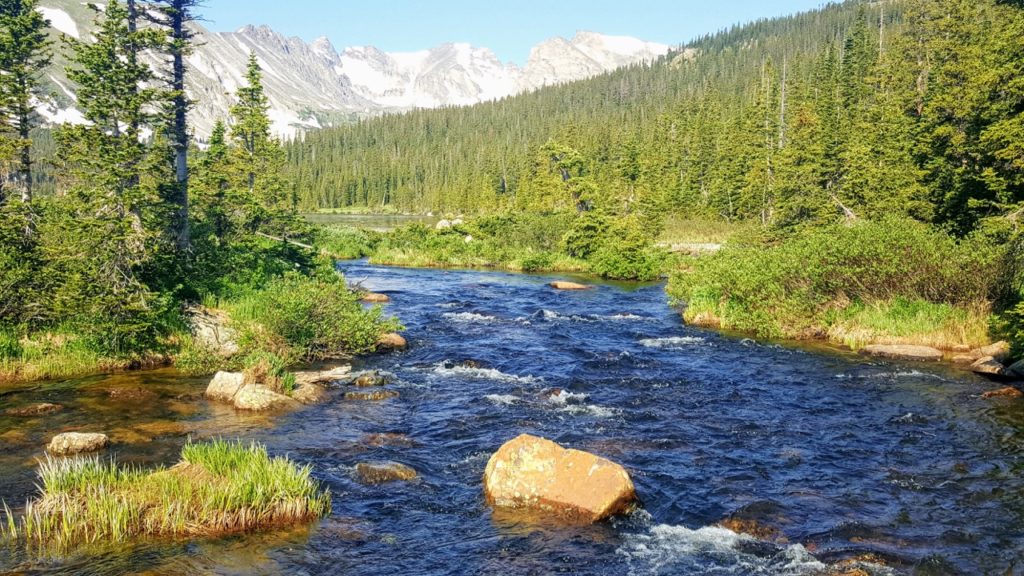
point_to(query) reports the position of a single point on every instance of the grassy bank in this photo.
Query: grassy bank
(895, 281)
(217, 488)
(619, 248)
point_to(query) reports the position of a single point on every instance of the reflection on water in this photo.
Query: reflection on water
(842, 455)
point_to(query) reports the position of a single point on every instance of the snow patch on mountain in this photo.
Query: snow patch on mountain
(60, 20)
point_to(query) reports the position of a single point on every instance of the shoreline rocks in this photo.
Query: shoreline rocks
(533, 473)
(374, 298)
(225, 386)
(391, 341)
(70, 443)
(257, 398)
(903, 352)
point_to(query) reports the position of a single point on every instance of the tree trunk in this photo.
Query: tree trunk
(180, 128)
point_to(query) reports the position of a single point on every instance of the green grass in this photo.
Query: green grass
(689, 230)
(61, 354)
(871, 282)
(217, 488)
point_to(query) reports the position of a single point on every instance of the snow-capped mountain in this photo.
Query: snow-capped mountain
(311, 85)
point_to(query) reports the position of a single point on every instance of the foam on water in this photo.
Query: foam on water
(502, 399)
(469, 317)
(713, 550)
(447, 370)
(671, 342)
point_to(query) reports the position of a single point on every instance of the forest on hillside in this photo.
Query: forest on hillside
(856, 109)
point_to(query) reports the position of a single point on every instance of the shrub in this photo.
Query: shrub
(794, 286)
(627, 253)
(585, 236)
(262, 367)
(195, 360)
(346, 242)
(308, 318)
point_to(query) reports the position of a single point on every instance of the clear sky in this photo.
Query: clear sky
(509, 27)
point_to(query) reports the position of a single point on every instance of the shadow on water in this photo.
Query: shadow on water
(841, 455)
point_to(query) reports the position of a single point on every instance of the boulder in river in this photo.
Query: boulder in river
(904, 352)
(988, 366)
(370, 379)
(563, 285)
(1016, 369)
(537, 474)
(34, 410)
(257, 398)
(374, 395)
(381, 472)
(374, 298)
(70, 443)
(390, 439)
(391, 341)
(322, 376)
(309, 393)
(224, 386)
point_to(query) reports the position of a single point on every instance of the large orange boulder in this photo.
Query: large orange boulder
(536, 474)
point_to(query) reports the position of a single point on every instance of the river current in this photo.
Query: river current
(842, 455)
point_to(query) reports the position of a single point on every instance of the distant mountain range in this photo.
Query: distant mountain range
(314, 85)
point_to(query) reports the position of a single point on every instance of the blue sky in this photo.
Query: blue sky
(509, 28)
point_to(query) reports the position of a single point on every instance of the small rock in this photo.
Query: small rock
(370, 379)
(322, 376)
(753, 528)
(382, 439)
(539, 475)
(373, 298)
(34, 410)
(257, 397)
(224, 386)
(1007, 392)
(562, 285)
(1000, 351)
(76, 442)
(458, 222)
(375, 395)
(309, 393)
(988, 366)
(391, 341)
(468, 239)
(963, 359)
(473, 364)
(903, 352)
(132, 394)
(381, 472)
(443, 225)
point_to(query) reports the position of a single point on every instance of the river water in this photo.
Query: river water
(842, 454)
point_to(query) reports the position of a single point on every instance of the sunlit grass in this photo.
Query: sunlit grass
(903, 321)
(703, 231)
(218, 487)
(51, 356)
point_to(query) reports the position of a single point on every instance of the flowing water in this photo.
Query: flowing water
(843, 455)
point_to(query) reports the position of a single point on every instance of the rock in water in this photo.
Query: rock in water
(381, 472)
(76, 442)
(537, 474)
(562, 285)
(257, 397)
(1000, 351)
(372, 298)
(322, 376)
(1007, 392)
(375, 395)
(988, 366)
(391, 341)
(34, 410)
(224, 386)
(1016, 369)
(904, 352)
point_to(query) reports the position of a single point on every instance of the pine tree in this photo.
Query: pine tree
(24, 53)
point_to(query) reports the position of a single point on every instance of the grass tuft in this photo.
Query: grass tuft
(218, 487)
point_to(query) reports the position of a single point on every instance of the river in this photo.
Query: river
(843, 454)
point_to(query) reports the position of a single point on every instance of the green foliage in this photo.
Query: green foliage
(626, 253)
(346, 243)
(195, 360)
(308, 318)
(219, 487)
(803, 284)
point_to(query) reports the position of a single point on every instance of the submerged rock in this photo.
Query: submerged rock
(34, 410)
(904, 352)
(309, 393)
(988, 366)
(391, 341)
(257, 398)
(1006, 392)
(752, 527)
(132, 394)
(381, 439)
(381, 472)
(374, 395)
(224, 386)
(70, 443)
(370, 379)
(374, 298)
(537, 474)
(563, 285)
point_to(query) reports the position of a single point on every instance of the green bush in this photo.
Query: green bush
(627, 253)
(10, 344)
(793, 286)
(194, 360)
(585, 236)
(308, 318)
(346, 242)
